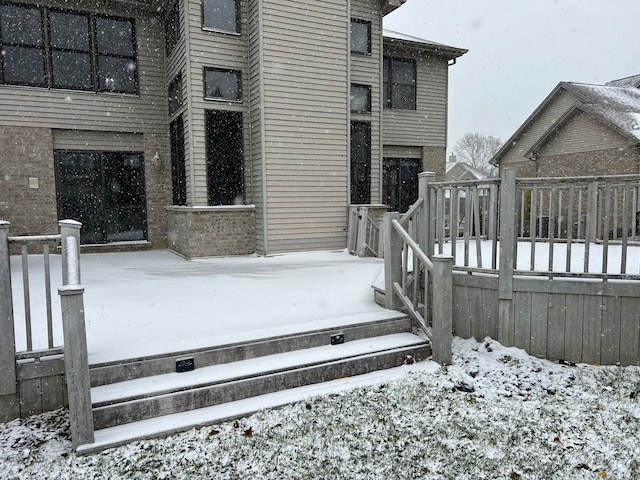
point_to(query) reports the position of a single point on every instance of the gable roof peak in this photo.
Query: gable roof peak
(633, 81)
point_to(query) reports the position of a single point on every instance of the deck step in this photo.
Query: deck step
(142, 399)
(138, 394)
(355, 327)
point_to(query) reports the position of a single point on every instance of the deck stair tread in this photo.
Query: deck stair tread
(172, 382)
(183, 421)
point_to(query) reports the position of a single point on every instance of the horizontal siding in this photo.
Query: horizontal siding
(427, 125)
(582, 134)
(144, 113)
(558, 107)
(304, 88)
(97, 141)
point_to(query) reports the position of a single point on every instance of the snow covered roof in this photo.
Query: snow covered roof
(632, 81)
(463, 169)
(402, 39)
(616, 104)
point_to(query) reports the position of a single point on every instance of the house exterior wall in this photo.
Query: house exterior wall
(366, 70)
(27, 153)
(514, 156)
(302, 85)
(426, 126)
(34, 121)
(614, 161)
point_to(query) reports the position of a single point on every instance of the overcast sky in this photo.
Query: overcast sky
(519, 50)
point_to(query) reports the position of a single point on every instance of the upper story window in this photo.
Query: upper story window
(172, 28)
(75, 50)
(360, 36)
(220, 15)
(399, 83)
(220, 84)
(360, 98)
(174, 93)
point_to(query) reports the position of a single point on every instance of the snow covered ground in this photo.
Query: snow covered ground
(495, 413)
(146, 303)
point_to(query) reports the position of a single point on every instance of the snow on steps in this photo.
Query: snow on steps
(154, 405)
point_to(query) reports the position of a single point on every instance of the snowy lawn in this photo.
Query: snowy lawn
(495, 413)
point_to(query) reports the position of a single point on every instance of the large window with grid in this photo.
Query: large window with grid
(47, 47)
(399, 83)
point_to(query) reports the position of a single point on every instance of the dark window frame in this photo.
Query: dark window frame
(222, 98)
(356, 21)
(108, 207)
(172, 30)
(42, 48)
(390, 86)
(175, 94)
(361, 87)
(360, 166)
(236, 29)
(98, 58)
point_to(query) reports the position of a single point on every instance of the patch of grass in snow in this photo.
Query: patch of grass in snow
(494, 413)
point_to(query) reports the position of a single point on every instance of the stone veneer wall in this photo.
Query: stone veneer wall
(434, 159)
(212, 231)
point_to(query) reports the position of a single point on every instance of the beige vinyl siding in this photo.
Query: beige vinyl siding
(218, 50)
(54, 108)
(257, 189)
(427, 124)
(393, 151)
(532, 133)
(97, 141)
(305, 91)
(367, 70)
(582, 133)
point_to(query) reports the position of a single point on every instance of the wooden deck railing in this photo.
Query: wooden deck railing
(73, 321)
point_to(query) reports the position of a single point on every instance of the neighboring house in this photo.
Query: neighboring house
(577, 130)
(457, 171)
(213, 127)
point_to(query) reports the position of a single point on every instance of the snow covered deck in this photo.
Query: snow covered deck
(148, 303)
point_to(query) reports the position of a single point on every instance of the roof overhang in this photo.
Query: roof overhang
(398, 40)
(389, 6)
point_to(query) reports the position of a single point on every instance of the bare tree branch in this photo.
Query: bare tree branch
(477, 149)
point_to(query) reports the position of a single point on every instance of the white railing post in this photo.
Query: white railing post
(7, 336)
(425, 220)
(76, 359)
(442, 318)
(508, 235)
(70, 228)
(392, 260)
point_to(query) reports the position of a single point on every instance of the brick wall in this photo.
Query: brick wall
(618, 161)
(158, 188)
(212, 231)
(434, 159)
(27, 181)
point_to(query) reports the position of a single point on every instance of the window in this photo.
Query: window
(105, 191)
(400, 182)
(115, 47)
(360, 98)
(174, 94)
(399, 83)
(360, 36)
(70, 50)
(81, 52)
(360, 162)
(224, 158)
(220, 15)
(23, 59)
(178, 167)
(172, 27)
(222, 84)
